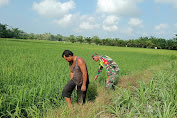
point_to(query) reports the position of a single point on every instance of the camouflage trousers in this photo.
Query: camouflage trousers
(111, 81)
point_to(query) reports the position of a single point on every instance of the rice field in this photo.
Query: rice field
(33, 73)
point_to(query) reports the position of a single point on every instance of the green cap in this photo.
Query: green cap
(94, 54)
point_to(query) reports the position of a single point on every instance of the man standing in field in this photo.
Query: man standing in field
(111, 67)
(78, 78)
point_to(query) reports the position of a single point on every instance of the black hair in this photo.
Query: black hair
(67, 53)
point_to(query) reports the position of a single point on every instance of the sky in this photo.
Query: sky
(124, 19)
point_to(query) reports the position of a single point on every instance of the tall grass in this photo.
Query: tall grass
(157, 99)
(33, 73)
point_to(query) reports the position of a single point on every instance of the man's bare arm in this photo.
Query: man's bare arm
(82, 66)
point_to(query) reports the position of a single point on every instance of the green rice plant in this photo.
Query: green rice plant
(157, 99)
(143, 92)
(33, 74)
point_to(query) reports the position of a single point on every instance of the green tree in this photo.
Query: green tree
(154, 40)
(31, 36)
(72, 38)
(171, 44)
(88, 40)
(80, 39)
(96, 40)
(103, 41)
(121, 42)
(162, 43)
(59, 37)
(23, 35)
(52, 37)
(3, 31)
(131, 43)
(114, 42)
(107, 41)
(149, 44)
(16, 33)
(174, 43)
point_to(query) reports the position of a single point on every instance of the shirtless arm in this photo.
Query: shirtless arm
(82, 66)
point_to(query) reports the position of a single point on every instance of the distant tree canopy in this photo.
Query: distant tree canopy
(142, 42)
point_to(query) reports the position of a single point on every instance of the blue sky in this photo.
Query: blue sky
(124, 19)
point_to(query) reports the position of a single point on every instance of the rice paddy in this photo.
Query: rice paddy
(33, 74)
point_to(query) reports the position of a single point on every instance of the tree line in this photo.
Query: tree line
(142, 42)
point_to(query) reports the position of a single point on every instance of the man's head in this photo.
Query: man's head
(95, 57)
(68, 55)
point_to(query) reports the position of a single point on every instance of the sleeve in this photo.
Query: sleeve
(115, 66)
(109, 73)
(99, 70)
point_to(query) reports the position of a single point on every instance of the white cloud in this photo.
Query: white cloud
(161, 27)
(135, 22)
(110, 23)
(174, 2)
(128, 31)
(111, 20)
(3, 2)
(65, 21)
(88, 26)
(110, 28)
(87, 18)
(88, 22)
(78, 22)
(119, 7)
(53, 8)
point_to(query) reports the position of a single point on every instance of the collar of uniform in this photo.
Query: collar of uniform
(100, 58)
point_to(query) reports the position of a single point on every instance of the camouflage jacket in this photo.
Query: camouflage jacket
(111, 66)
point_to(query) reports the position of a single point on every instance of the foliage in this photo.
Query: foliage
(157, 99)
(96, 40)
(72, 38)
(88, 40)
(142, 42)
(6, 32)
(80, 39)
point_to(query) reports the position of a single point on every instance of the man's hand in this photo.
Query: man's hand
(83, 88)
(95, 78)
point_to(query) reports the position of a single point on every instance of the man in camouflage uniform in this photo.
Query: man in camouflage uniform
(111, 67)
